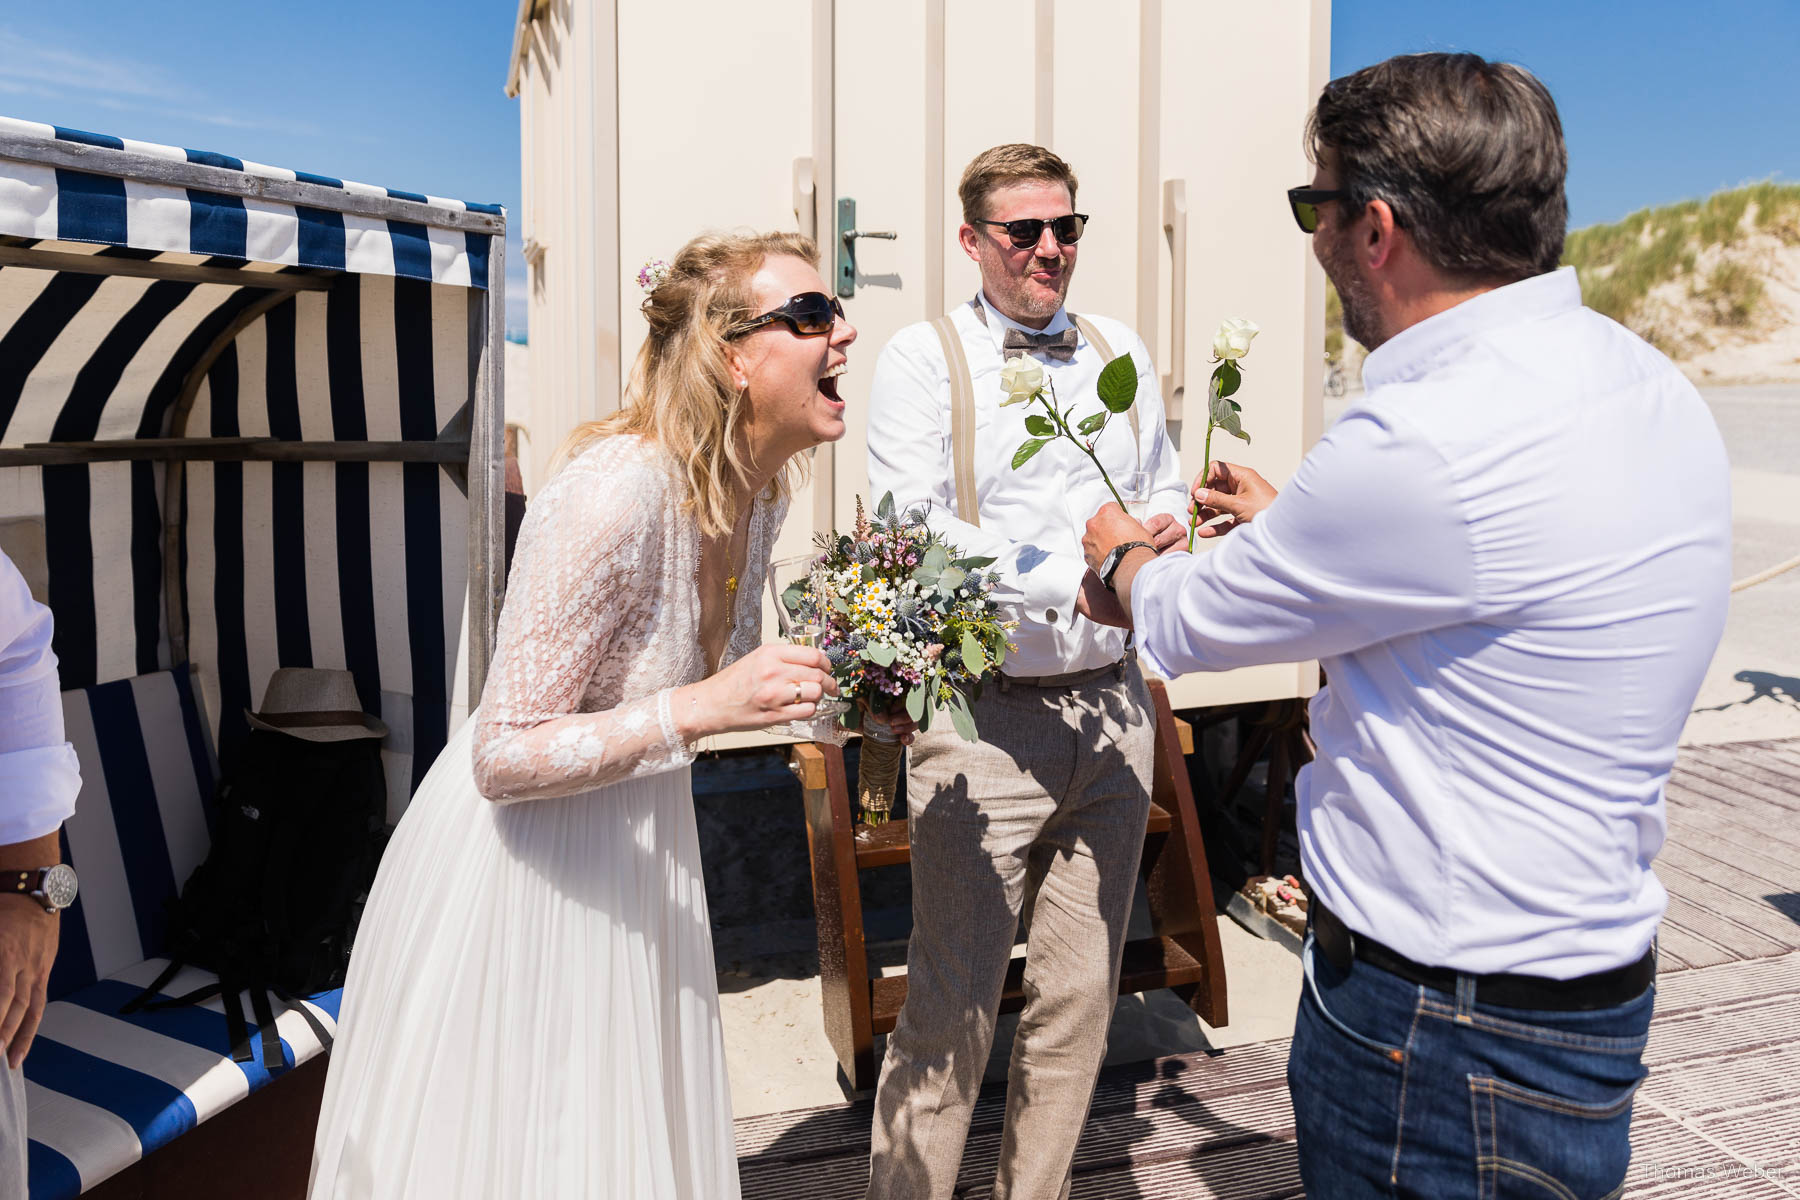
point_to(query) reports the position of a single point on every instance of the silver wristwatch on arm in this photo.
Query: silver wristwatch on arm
(1109, 566)
(53, 887)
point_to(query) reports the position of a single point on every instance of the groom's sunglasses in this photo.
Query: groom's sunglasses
(809, 314)
(1305, 202)
(1026, 232)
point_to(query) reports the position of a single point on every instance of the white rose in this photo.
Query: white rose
(1020, 379)
(1234, 338)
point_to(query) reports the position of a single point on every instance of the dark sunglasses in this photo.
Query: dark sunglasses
(809, 314)
(1026, 232)
(1305, 202)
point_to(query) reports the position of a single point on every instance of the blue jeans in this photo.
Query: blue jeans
(1402, 1090)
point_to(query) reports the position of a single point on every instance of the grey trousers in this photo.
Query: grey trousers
(1043, 819)
(12, 1135)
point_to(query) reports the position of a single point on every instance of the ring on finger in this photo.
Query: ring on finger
(799, 692)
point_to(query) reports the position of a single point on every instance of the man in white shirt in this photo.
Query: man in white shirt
(1514, 611)
(39, 778)
(1044, 817)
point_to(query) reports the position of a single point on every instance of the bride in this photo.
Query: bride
(531, 1008)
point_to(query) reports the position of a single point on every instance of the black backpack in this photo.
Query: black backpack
(297, 832)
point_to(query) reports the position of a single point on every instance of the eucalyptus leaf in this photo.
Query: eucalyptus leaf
(937, 558)
(974, 657)
(879, 654)
(915, 702)
(1118, 384)
(952, 578)
(1027, 450)
(962, 718)
(1040, 425)
(925, 577)
(1092, 422)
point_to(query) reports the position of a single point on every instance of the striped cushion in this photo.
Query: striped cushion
(140, 823)
(104, 1089)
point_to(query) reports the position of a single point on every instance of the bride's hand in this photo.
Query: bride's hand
(773, 684)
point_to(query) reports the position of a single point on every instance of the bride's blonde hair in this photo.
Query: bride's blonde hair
(682, 393)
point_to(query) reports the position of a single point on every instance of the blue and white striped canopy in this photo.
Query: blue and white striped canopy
(51, 201)
(241, 416)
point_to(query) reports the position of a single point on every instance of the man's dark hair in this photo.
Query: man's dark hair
(1468, 153)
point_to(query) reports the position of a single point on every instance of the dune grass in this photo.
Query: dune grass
(1622, 262)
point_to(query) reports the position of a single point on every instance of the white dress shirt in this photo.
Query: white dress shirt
(39, 775)
(1512, 557)
(1032, 518)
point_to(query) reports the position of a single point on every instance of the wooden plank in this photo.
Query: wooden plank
(889, 844)
(808, 766)
(1178, 885)
(129, 164)
(1729, 844)
(230, 450)
(1148, 963)
(487, 470)
(837, 909)
(1744, 780)
(139, 268)
(1728, 894)
(1713, 802)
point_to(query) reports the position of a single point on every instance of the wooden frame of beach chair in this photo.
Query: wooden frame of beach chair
(1183, 954)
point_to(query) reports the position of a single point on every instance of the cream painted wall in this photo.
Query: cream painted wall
(644, 123)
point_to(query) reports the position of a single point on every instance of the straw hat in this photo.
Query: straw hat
(315, 704)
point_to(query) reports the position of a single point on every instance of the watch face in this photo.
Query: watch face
(59, 886)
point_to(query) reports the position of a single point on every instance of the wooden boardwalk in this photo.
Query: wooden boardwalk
(1719, 1116)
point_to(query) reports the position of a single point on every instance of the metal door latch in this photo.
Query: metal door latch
(846, 253)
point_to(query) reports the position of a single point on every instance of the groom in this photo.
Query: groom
(1512, 558)
(1044, 817)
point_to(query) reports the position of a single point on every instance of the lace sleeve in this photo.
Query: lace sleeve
(583, 598)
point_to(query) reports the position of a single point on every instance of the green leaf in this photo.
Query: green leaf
(915, 702)
(1118, 384)
(937, 558)
(1229, 423)
(885, 509)
(1229, 377)
(925, 577)
(951, 579)
(852, 718)
(792, 594)
(880, 655)
(1027, 451)
(961, 717)
(974, 657)
(975, 564)
(1092, 422)
(1220, 410)
(1040, 426)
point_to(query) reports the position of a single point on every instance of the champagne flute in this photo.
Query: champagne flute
(1135, 489)
(800, 589)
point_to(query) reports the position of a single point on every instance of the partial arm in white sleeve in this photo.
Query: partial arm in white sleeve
(39, 774)
(583, 597)
(1365, 544)
(909, 455)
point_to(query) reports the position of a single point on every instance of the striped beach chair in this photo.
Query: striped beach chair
(105, 1088)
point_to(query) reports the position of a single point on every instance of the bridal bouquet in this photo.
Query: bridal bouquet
(907, 625)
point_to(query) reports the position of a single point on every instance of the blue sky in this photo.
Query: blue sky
(1660, 100)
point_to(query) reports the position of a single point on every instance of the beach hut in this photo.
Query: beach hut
(250, 418)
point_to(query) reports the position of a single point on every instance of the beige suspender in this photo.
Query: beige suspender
(962, 409)
(962, 420)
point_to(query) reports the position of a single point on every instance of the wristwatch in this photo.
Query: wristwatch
(1109, 566)
(53, 887)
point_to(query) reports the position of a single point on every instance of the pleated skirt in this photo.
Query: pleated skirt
(532, 1007)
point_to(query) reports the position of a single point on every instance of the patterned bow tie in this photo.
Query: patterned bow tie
(1060, 346)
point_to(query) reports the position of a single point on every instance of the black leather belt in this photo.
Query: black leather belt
(1603, 989)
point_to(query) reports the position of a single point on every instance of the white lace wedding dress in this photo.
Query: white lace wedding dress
(532, 1008)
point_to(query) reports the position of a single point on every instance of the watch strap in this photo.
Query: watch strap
(1117, 555)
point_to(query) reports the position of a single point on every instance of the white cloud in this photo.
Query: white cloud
(37, 68)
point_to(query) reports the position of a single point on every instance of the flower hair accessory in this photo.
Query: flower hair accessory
(654, 274)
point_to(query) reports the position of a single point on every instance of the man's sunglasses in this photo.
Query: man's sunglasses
(809, 314)
(1305, 202)
(1026, 232)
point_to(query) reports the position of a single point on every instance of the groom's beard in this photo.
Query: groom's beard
(1362, 322)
